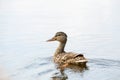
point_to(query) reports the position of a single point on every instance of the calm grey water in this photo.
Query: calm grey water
(92, 28)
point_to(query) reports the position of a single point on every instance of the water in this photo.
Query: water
(92, 28)
(32, 64)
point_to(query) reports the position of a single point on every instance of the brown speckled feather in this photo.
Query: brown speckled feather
(69, 58)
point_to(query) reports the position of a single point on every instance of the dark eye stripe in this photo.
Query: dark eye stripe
(59, 35)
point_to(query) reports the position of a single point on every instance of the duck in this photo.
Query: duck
(63, 57)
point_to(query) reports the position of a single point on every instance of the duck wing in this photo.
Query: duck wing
(73, 58)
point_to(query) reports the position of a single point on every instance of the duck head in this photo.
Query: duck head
(59, 36)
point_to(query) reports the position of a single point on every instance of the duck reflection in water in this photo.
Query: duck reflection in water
(61, 75)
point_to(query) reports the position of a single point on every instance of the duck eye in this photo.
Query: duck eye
(58, 35)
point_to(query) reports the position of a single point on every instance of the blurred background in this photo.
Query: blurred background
(25, 25)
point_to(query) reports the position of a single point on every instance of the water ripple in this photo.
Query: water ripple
(105, 62)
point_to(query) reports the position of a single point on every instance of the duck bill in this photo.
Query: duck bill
(52, 39)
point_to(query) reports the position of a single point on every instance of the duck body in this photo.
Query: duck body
(62, 57)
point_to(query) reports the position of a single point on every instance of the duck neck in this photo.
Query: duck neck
(60, 48)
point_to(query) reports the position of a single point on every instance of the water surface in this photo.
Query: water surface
(92, 28)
